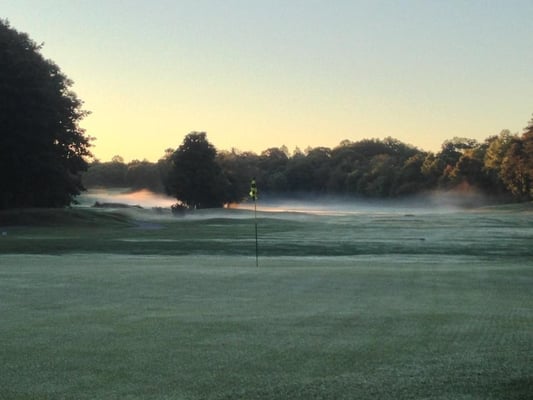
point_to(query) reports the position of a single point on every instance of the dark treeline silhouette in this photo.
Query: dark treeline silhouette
(43, 149)
(500, 167)
(116, 173)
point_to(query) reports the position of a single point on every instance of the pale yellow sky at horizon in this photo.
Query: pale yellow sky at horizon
(261, 74)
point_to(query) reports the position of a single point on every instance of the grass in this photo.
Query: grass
(200, 323)
(232, 233)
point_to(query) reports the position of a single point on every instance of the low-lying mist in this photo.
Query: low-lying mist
(433, 202)
(141, 198)
(427, 203)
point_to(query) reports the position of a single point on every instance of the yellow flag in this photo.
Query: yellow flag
(253, 190)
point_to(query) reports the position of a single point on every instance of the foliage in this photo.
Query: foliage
(195, 178)
(109, 174)
(238, 168)
(501, 167)
(42, 147)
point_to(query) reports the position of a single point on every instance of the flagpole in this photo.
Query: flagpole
(256, 243)
(253, 195)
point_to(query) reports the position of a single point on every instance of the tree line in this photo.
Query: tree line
(501, 167)
(44, 154)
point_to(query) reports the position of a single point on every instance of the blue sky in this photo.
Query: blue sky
(260, 74)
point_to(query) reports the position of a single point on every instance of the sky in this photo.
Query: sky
(256, 74)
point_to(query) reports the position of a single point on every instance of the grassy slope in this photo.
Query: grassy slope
(488, 233)
(46, 217)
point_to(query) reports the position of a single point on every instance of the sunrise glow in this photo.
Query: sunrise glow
(255, 75)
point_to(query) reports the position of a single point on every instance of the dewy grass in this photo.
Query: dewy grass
(230, 233)
(150, 327)
(117, 314)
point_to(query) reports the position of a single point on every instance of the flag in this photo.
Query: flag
(253, 195)
(253, 190)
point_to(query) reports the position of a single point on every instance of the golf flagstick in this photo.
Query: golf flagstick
(253, 195)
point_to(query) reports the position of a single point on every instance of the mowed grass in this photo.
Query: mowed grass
(231, 232)
(145, 327)
(80, 323)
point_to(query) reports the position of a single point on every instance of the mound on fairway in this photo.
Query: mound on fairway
(68, 217)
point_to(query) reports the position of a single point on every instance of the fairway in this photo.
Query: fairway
(382, 305)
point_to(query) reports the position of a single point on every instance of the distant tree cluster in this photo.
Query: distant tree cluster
(501, 167)
(134, 175)
(196, 174)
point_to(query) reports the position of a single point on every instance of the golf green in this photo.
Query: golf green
(425, 321)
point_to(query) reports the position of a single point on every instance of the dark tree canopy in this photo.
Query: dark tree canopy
(42, 147)
(196, 178)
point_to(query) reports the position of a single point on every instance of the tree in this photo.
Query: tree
(517, 165)
(469, 169)
(497, 148)
(108, 174)
(143, 175)
(43, 150)
(273, 164)
(378, 177)
(441, 166)
(514, 171)
(410, 178)
(239, 168)
(195, 177)
(527, 138)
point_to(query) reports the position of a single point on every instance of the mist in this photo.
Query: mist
(141, 198)
(431, 202)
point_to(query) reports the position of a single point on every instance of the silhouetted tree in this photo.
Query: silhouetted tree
(110, 174)
(238, 168)
(373, 167)
(196, 179)
(42, 147)
(143, 175)
(164, 166)
(273, 163)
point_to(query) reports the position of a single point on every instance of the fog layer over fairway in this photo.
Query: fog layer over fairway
(310, 204)
(143, 198)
